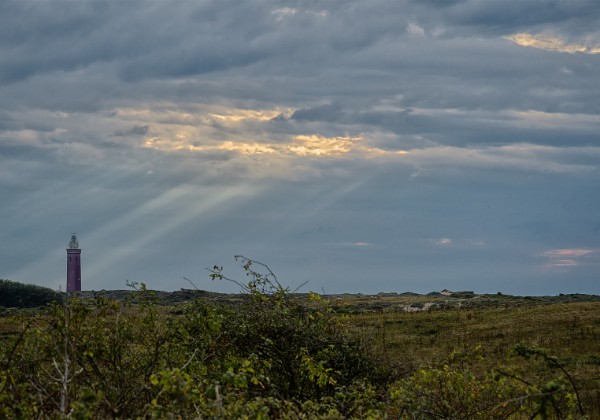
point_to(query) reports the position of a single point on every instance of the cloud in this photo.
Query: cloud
(328, 112)
(562, 259)
(551, 43)
(138, 130)
(459, 242)
(356, 244)
(313, 146)
(284, 12)
(415, 30)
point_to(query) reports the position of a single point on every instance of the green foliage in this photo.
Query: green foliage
(448, 392)
(455, 390)
(303, 348)
(269, 356)
(550, 396)
(102, 358)
(89, 354)
(18, 295)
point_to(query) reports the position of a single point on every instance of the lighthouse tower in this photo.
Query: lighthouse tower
(73, 266)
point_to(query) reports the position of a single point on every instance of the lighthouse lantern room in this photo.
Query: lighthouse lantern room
(73, 266)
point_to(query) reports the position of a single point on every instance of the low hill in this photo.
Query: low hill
(358, 302)
(19, 295)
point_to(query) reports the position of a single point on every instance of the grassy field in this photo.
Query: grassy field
(568, 331)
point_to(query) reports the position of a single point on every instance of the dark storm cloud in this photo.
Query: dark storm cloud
(186, 39)
(154, 39)
(493, 16)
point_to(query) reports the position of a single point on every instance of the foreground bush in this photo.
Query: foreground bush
(267, 357)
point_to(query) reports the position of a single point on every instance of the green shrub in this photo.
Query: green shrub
(18, 295)
(301, 348)
(448, 392)
(453, 390)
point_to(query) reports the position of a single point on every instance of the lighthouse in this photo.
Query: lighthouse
(73, 266)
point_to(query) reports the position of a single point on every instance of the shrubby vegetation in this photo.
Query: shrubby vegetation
(19, 295)
(271, 356)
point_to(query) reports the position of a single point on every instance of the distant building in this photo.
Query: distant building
(73, 266)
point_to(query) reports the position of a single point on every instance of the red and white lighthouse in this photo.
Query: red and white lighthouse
(73, 266)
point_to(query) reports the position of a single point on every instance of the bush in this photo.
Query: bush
(268, 355)
(452, 390)
(301, 348)
(19, 295)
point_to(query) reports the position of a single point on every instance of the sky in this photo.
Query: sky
(359, 146)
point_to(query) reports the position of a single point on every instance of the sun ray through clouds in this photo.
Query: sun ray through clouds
(147, 224)
(201, 206)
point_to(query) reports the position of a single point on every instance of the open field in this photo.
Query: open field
(568, 331)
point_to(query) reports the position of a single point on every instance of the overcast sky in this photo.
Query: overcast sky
(362, 146)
